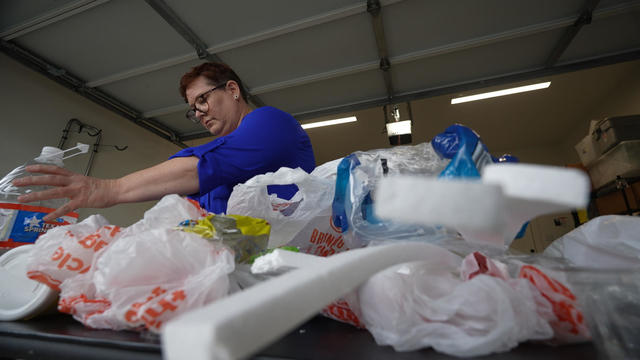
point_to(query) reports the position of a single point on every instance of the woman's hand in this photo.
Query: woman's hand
(174, 176)
(82, 191)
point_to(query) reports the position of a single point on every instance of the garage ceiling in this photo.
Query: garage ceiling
(310, 58)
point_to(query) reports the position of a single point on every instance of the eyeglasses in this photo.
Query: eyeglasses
(201, 104)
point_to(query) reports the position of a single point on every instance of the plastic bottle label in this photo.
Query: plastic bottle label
(22, 224)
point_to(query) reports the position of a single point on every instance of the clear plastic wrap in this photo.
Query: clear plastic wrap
(357, 176)
(610, 299)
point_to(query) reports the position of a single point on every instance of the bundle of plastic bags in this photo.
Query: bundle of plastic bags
(472, 307)
(303, 221)
(141, 276)
(357, 177)
(456, 153)
(463, 307)
(333, 209)
(416, 305)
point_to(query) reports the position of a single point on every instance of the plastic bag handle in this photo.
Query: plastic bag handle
(82, 149)
(309, 187)
(284, 176)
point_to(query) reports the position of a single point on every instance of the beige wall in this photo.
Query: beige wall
(33, 112)
(337, 141)
(625, 100)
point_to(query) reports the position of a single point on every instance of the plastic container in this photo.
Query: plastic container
(21, 297)
(20, 223)
(622, 160)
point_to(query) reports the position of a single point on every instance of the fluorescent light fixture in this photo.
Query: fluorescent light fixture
(399, 128)
(510, 91)
(329, 122)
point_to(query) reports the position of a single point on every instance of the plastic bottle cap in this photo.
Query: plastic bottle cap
(21, 297)
(51, 155)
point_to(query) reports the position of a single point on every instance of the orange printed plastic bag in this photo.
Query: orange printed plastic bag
(145, 279)
(570, 325)
(568, 322)
(67, 251)
(320, 237)
(136, 277)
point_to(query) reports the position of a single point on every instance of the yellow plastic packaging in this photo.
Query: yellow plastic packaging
(247, 236)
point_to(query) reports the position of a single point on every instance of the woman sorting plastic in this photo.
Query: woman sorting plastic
(250, 142)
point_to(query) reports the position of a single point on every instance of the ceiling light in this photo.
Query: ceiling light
(329, 122)
(510, 91)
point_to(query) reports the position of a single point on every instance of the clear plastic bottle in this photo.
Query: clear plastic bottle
(20, 223)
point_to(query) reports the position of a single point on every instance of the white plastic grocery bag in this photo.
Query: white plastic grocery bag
(137, 277)
(309, 206)
(611, 241)
(145, 279)
(555, 301)
(66, 251)
(418, 305)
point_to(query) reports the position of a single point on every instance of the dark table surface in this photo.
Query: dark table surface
(59, 336)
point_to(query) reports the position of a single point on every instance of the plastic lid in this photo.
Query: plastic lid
(51, 155)
(21, 297)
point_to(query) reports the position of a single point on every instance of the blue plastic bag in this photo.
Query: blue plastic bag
(468, 155)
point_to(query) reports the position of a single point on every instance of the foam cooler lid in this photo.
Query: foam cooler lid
(21, 297)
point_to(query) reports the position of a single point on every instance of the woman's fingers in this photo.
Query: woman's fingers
(48, 170)
(82, 191)
(64, 209)
(53, 193)
(54, 176)
(49, 180)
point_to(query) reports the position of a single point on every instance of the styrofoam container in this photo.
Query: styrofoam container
(21, 297)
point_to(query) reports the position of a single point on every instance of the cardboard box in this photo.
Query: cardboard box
(525, 244)
(542, 231)
(548, 228)
(613, 203)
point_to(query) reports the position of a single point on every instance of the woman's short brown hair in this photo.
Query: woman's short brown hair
(216, 73)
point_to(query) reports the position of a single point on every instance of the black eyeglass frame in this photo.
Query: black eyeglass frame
(191, 113)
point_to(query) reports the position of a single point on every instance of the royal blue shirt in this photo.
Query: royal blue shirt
(266, 140)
